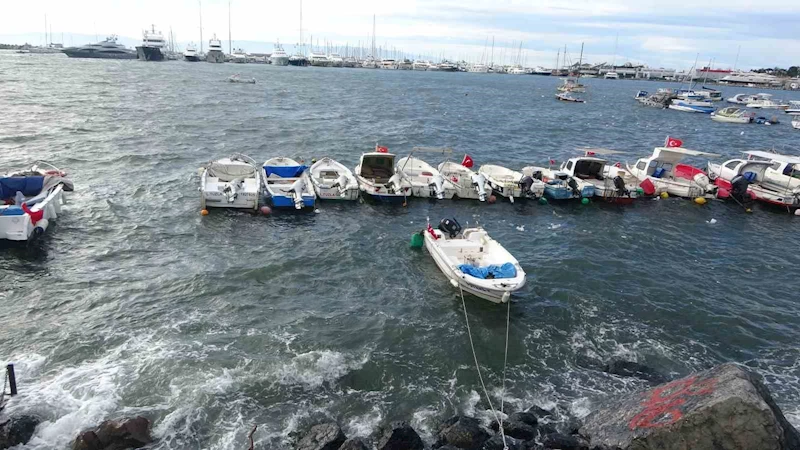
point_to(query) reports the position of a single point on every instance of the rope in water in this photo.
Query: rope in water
(478, 367)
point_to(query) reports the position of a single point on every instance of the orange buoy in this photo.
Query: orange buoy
(203, 212)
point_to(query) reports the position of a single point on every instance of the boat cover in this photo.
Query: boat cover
(285, 171)
(506, 270)
(29, 186)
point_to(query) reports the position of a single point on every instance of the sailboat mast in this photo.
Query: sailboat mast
(737, 58)
(230, 43)
(200, 8)
(301, 21)
(580, 62)
(45, 30)
(558, 57)
(373, 36)
(491, 62)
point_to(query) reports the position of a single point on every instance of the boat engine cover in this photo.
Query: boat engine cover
(450, 226)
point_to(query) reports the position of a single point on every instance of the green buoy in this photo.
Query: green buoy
(542, 201)
(584, 201)
(417, 240)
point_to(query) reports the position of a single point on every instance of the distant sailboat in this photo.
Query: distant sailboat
(298, 59)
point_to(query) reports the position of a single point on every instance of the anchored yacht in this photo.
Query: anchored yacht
(278, 56)
(152, 44)
(107, 49)
(190, 54)
(215, 54)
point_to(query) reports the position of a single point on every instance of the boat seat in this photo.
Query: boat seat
(29, 186)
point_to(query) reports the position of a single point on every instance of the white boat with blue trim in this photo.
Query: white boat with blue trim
(288, 184)
(30, 200)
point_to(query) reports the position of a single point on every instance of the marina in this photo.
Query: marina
(135, 303)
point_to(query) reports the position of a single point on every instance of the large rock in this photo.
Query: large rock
(725, 408)
(355, 443)
(17, 430)
(115, 435)
(463, 432)
(324, 436)
(539, 413)
(563, 442)
(496, 443)
(399, 436)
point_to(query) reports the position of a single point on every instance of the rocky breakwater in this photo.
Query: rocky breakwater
(724, 408)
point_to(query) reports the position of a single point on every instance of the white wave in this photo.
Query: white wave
(316, 367)
(365, 424)
(422, 420)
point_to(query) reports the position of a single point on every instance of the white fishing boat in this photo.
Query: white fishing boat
(744, 99)
(794, 108)
(732, 114)
(288, 184)
(232, 182)
(612, 183)
(425, 180)
(510, 183)
(466, 182)
(333, 181)
(569, 98)
(766, 102)
(557, 185)
(377, 179)
(474, 262)
(796, 124)
(740, 176)
(784, 173)
(693, 106)
(237, 78)
(663, 171)
(30, 200)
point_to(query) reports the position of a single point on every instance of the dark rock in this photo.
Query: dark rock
(115, 435)
(355, 443)
(448, 447)
(563, 442)
(17, 430)
(496, 443)
(543, 429)
(540, 413)
(725, 408)
(588, 362)
(633, 369)
(324, 436)
(463, 432)
(519, 430)
(400, 436)
(524, 417)
(569, 426)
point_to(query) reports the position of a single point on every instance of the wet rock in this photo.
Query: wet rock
(524, 417)
(633, 369)
(570, 426)
(463, 432)
(399, 436)
(115, 435)
(519, 430)
(355, 443)
(324, 436)
(540, 413)
(543, 429)
(725, 408)
(17, 430)
(496, 443)
(564, 442)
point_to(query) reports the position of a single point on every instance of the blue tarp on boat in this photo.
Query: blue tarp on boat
(285, 171)
(506, 270)
(29, 186)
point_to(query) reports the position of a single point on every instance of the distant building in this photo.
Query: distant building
(752, 79)
(711, 74)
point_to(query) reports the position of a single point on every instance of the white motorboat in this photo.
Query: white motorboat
(377, 179)
(794, 108)
(569, 98)
(732, 114)
(740, 176)
(425, 180)
(333, 181)
(388, 63)
(335, 60)
(611, 76)
(232, 182)
(288, 184)
(190, 54)
(478, 68)
(766, 102)
(466, 182)
(215, 54)
(237, 78)
(517, 70)
(30, 200)
(612, 183)
(318, 59)
(557, 185)
(279, 56)
(693, 106)
(571, 85)
(421, 65)
(663, 171)
(238, 56)
(510, 183)
(784, 173)
(796, 124)
(744, 99)
(474, 262)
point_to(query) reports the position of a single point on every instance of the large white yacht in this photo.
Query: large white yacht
(239, 56)
(318, 59)
(478, 68)
(215, 54)
(388, 64)
(278, 56)
(152, 44)
(335, 60)
(421, 65)
(190, 54)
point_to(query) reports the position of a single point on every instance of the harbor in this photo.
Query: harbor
(136, 304)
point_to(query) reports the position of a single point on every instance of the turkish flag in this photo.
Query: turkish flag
(35, 216)
(380, 149)
(433, 235)
(467, 161)
(672, 142)
(617, 164)
(589, 153)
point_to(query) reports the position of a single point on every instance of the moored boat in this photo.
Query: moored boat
(466, 182)
(232, 182)
(556, 185)
(237, 78)
(279, 56)
(190, 54)
(610, 182)
(694, 106)
(152, 45)
(796, 124)
(748, 178)
(377, 179)
(473, 261)
(425, 180)
(333, 181)
(568, 97)
(31, 199)
(732, 114)
(663, 170)
(510, 183)
(288, 184)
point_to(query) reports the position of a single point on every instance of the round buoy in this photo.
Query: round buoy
(664, 195)
(313, 160)
(491, 199)
(639, 191)
(700, 200)
(542, 201)
(417, 240)
(584, 201)
(266, 210)
(797, 212)
(748, 210)
(203, 212)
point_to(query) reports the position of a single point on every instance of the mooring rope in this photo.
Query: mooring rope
(478, 367)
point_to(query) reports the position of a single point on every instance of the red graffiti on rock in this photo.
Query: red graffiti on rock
(663, 406)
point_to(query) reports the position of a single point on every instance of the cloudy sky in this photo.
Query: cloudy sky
(658, 33)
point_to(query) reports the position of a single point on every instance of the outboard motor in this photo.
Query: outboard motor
(479, 182)
(538, 175)
(394, 183)
(739, 185)
(574, 186)
(438, 184)
(619, 185)
(341, 183)
(231, 190)
(297, 193)
(525, 184)
(450, 227)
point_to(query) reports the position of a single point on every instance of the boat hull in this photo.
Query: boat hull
(149, 53)
(692, 109)
(560, 192)
(16, 225)
(194, 58)
(215, 56)
(381, 193)
(279, 60)
(99, 55)
(725, 119)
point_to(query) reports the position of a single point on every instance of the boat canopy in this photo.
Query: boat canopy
(285, 171)
(432, 149)
(683, 151)
(599, 151)
(774, 156)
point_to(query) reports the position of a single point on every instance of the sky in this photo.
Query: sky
(656, 33)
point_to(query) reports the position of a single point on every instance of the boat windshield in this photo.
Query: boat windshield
(587, 169)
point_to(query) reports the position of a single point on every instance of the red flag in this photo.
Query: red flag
(672, 142)
(552, 162)
(433, 235)
(381, 149)
(35, 216)
(589, 153)
(467, 161)
(618, 164)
